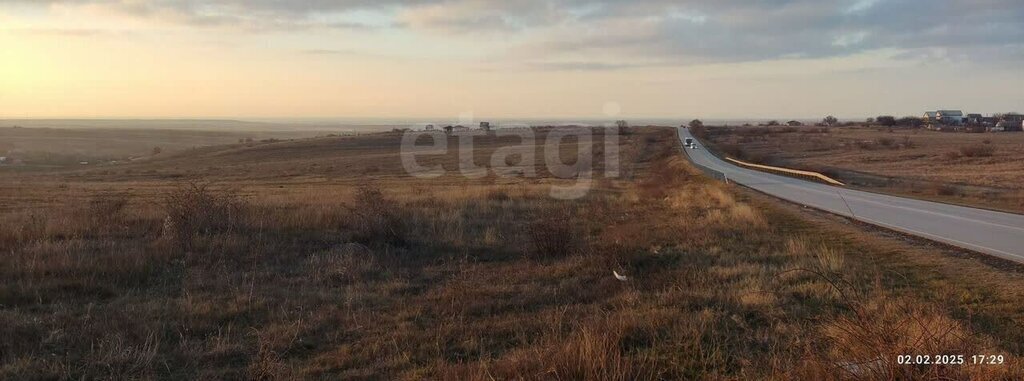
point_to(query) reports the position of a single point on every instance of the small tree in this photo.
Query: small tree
(773, 123)
(157, 150)
(448, 129)
(886, 120)
(830, 121)
(696, 123)
(909, 121)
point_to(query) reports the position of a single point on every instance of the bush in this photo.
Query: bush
(194, 209)
(378, 219)
(887, 142)
(978, 150)
(868, 341)
(554, 236)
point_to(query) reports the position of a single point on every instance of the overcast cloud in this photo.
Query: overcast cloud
(600, 34)
(663, 31)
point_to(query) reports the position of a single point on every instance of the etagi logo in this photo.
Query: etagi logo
(519, 159)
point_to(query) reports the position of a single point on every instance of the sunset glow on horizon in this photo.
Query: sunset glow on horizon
(533, 59)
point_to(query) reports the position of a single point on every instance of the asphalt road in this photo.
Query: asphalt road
(996, 233)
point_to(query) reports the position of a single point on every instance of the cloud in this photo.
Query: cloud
(610, 34)
(254, 15)
(739, 31)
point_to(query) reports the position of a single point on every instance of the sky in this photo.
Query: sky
(508, 59)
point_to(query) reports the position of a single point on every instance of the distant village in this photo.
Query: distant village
(956, 121)
(941, 120)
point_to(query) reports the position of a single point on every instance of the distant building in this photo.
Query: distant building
(1008, 125)
(946, 117)
(974, 119)
(951, 117)
(1013, 117)
(3, 159)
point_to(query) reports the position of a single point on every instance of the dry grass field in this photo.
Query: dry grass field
(970, 168)
(322, 258)
(49, 148)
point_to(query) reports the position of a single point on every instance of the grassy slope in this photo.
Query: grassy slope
(450, 278)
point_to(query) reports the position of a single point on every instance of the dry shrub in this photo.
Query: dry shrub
(195, 209)
(602, 354)
(797, 247)
(865, 344)
(830, 259)
(554, 236)
(978, 150)
(887, 142)
(613, 347)
(746, 216)
(378, 219)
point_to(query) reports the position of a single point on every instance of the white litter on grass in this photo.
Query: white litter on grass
(620, 277)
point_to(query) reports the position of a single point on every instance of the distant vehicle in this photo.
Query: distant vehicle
(689, 143)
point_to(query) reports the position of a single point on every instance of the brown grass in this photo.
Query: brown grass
(427, 279)
(978, 150)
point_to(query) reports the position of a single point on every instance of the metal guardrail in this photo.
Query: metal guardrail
(797, 172)
(719, 175)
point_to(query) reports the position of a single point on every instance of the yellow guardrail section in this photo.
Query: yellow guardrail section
(787, 170)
